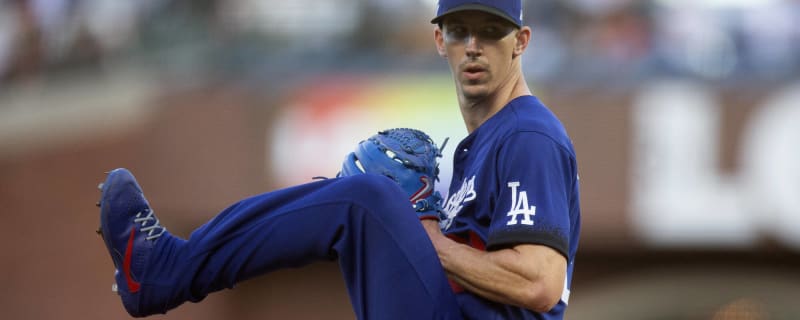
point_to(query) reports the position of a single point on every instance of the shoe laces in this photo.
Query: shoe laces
(154, 229)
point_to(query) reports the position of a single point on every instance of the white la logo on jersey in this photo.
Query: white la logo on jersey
(457, 200)
(520, 207)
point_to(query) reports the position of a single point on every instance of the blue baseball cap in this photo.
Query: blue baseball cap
(510, 10)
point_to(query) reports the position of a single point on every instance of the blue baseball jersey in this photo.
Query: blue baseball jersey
(515, 181)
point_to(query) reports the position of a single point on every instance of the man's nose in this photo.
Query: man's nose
(473, 46)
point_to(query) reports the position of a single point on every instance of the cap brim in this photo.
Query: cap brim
(478, 7)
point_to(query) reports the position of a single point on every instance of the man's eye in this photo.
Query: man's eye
(458, 32)
(493, 33)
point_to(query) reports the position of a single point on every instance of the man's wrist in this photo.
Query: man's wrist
(433, 230)
(430, 225)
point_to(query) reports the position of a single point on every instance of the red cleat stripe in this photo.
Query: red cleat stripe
(133, 286)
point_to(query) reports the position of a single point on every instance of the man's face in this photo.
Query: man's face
(480, 48)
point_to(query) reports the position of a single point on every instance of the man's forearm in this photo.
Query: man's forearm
(505, 276)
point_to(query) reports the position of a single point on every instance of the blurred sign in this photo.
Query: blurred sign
(679, 194)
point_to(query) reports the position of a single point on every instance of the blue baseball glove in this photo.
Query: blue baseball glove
(407, 156)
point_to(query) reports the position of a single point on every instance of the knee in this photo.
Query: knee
(380, 198)
(372, 188)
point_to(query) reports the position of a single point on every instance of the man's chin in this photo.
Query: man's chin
(474, 92)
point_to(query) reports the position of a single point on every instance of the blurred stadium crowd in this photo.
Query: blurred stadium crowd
(576, 41)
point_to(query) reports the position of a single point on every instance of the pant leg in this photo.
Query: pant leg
(388, 262)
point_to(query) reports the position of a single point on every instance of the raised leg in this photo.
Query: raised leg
(388, 263)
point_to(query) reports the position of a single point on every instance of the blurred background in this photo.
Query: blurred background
(684, 115)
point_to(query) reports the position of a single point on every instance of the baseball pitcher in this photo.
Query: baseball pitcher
(501, 245)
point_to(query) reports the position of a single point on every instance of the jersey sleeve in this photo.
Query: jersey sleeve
(535, 176)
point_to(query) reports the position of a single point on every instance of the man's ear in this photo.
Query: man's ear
(438, 37)
(523, 39)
